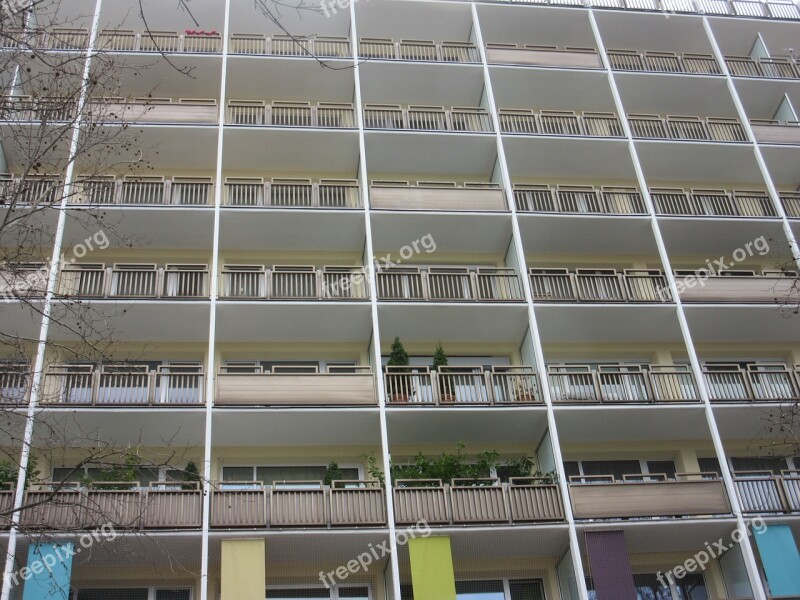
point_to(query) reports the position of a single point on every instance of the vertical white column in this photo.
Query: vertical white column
(369, 254)
(212, 319)
(747, 550)
(41, 347)
(541, 367)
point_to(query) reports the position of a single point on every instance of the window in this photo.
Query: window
(314, 593)
(773, 464)
(691, 587)
(134, 594)
(617, 468)
(271, 475)
(496, 589)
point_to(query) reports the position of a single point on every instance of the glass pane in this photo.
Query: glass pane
(527, 589)
(406, 592)
(648, 588)
(358, 593)
(617, 468)
(692, 587)
(479, 590)
(67, 474)
(173, 594)
(113, 594)
(298, 594)
(667, 467)
(237, 473)
(762, 463)
(270, 475)
(709, 465)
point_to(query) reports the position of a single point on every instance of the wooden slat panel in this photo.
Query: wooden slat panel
(296, 389)
(160, 113)
(421, 198)
(738, 289)
(648, 499)
(778, 134)
(521, 56)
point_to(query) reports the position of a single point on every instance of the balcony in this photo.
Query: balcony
(791, 204)
(450, 284)
(481, 502)
(127, 40)
(606, 200)
(26, 109)
(123, 385)
(292, 193)
(155, 111)
(427, 118)
(339, 386)
(436, 195)
(284, 45)
(712, 203)
(14, 383)
(144, 281)
(418, 50)
(469, 386)
(771, 287)
(298, 504)
(32, 189)
(543, 56)
(256, 282)
(647, 495)
(773, 131)
(144, 191)
(323, 115)
(621, 384)
(559, 122)
(777, 68)
(599, 285)
(138, 508)
(673, 127)
(763, 492)
(760, 382)
(663, 62)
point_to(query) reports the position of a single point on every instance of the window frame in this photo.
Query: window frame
(151, 590)
(256, 466)
(333, 592)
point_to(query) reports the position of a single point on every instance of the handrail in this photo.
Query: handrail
(185, 282)
(292, 193)
(418, 50)
(598, 285)
(558, 122)
(450, 284)
(427, 118)
(664, 62)
(257, 282)
(323, 115)
(693, 128)
(111, 40)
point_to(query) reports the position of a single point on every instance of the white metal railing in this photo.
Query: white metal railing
(144, 191)
(791, 204)
(418, 50)
(554, 122)
(134, 281)
(758, 381)
(775, 67)
(258, 282)
(290, 114)
(664, 62)
(447, 284)
(598, 285)
(110, 40)
(686, 128)
(282, 45)
(14, 382)
(427, 118)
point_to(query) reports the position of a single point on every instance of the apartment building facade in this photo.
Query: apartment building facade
(592, 209)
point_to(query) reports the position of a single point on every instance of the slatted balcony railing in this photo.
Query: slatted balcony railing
(418, 50)
(613, 384)
(450, 284)
(118, 40)
(25, 109)
(686, 128)
(578, 199)
(283, 45)
(144, 191)
(134, 281)
(254, 386)
(292, 193)
(123, 385)
(760, 382)
(774, 131)
(14, 383)
(31, 190)
(555, 122)
(791, 204)
(477, 502)
(648, 495)
(279, 282)
(746, 66)
(764, 492)
(715, 203)
(663, 62)
(598, 285)
(427, 118)
(543, 56)
(469, 386)
(325, 115)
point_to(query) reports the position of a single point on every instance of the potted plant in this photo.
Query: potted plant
(398, 358)
(440, 360)
(191, 476)
(332, 473)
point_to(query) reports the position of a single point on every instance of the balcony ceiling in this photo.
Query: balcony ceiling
(565, 159)
(579, 234)
(428, 84)
(21, 319)
(750, 421)
(122, 15)
(761, 98)
(607, 323)
(429, 425)
(740, 323)
(248, 18)
(444, 21)
(631, 423)
(551, 26)
(737, 36)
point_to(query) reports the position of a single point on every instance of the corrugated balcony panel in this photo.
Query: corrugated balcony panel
(173, 509)
(413, 504)
(121, 508)
(239, 507)
(636, 499)
(534, 500)
(6, 505)
(298, 507)
(760, 492)
(182, 112)
(357, 503)
(776, 132)
(481, 501)
(63, 511)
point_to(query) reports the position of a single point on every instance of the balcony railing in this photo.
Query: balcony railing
(436, 195)
(710, 129)
(791, 204)
(292, 193)
(119, 40)
(452, 386)
(427, 118)
(284, 45)
(123, 385)
(771, 287)
(144, 191)
(763, 492)
(647, 495)
(418, 50)
(599, 285)
(298, 504)
(773, 131)
(615, 384)
(256, 282)
(324, 115)
(663, 62)
(24, 109)
(180, 111)
(716, 203)
(766, 382)
(185, 282)
(14, 383)
(253, 386)
(578, 199)
(450, 284)
(477, 502)
(543, 56)
(558, 122)
(746, 66)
